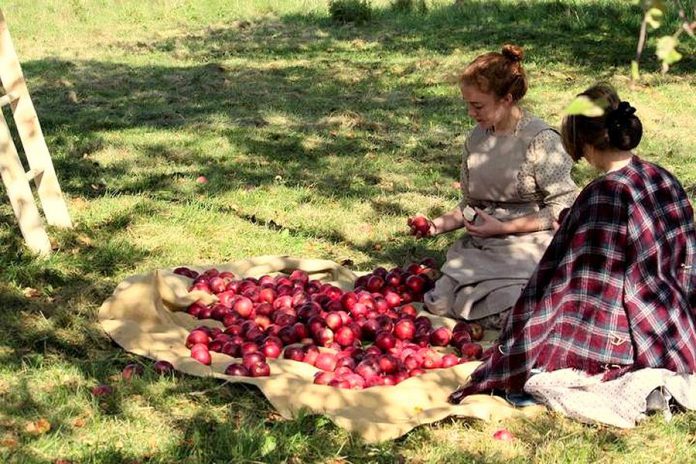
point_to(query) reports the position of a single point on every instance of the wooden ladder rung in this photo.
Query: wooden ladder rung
(34, 173)
(7, 99)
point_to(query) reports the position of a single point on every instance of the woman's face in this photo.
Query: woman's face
(486, 108)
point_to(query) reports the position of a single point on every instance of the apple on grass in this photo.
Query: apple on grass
(132, 370)
(163, 367)
(503, 435)
(102, 390)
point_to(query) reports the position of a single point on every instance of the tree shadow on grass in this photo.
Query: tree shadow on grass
(306, 126)
(591, 37)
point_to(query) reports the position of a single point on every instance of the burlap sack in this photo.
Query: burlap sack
(144, 316)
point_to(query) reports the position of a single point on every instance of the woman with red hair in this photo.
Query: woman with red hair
(515, 177)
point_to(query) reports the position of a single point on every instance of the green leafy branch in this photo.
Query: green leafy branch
(666, 46)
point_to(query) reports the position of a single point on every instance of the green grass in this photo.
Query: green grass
(318, 140)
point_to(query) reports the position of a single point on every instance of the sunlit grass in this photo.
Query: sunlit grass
(316, 140)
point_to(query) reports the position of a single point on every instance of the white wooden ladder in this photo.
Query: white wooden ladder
(41, 170)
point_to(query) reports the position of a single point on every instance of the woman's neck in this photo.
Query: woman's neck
(610, 161)
(508, 124)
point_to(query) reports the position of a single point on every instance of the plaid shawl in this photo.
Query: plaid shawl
(614, 291)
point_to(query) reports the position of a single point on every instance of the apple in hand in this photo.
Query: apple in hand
(420, 226)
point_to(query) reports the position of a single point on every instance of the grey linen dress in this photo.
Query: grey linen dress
(507, 176)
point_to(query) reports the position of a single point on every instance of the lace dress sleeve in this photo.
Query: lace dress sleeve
(552, 167)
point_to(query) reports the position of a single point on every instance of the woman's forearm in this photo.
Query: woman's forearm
(524, 224)
(449, 221)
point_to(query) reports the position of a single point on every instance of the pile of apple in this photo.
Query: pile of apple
(358, 339)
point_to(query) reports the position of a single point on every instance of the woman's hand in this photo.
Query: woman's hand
(421, 226)
(486, 226)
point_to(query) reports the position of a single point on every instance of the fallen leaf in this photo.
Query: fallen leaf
(79, 422)
(72, 96)
(31, 293)
(9, 442)
(38, 427)
(84, 240)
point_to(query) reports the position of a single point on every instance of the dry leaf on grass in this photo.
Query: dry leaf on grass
(31, 293)
(79, 422)
(9, 442)
(38, 427)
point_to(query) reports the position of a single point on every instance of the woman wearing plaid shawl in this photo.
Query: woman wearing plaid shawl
(615, 291)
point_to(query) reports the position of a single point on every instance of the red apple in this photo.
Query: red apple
(249, 359)
(163, 367)
(413, 361)
(346, 362)
(200, 353)
(197, 336)
(333, 320)
(440, 336)
(405, 329)
(419, 225)
(503, 435)
(459, 338)
(326, 361)
(232, 349)
(249, 347)
(385, 341)
(367, 369)
(295, 352)
(476, 331)
(471, 350)
(392, 298)
(449, 360)
(270, 350)
(388, 364)
(102, 390)
(237, 369)
(217, 284)
(132, 370)
(416, 283)
(260, 369)
(311, 352)
(408, 310)
(243, 306)
(324, 337)
(345, 336)
(374, 283)
(186, 272)
(323, 378)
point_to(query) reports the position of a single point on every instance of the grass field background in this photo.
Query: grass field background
(317, 140)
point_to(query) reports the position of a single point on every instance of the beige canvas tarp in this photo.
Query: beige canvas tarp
(145, 316)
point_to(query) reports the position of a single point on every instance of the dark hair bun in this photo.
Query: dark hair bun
(513, 52)
(623, 127)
